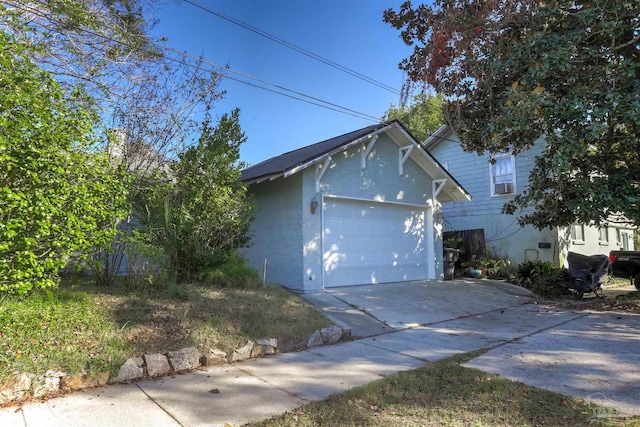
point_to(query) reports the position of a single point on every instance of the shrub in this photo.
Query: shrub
(59, 196)
(544, 278)
(147, 265)
(233, 273)
(495, 267)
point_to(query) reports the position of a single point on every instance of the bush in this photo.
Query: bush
(543, 278)
(495, 267)
(233, 273)
(147, 265)
(59, 196)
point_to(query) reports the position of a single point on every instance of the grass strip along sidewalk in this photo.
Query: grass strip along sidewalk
(81, 328)
(444, 393)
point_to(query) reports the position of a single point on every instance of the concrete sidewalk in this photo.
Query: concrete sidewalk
(260, 388)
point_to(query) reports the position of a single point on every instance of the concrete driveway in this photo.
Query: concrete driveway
(595, 355)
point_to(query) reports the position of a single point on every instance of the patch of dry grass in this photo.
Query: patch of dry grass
(444, 393)
(83, 328)
(211, 316)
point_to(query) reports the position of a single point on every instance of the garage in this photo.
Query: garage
(366, 242)
(359, 208)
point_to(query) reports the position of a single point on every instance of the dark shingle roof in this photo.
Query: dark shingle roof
(286, 161)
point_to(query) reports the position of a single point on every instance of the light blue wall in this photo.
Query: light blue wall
(501, 231)
(277, 230)
(379, 181)
(289, 235)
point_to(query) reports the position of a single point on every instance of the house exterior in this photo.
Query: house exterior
(360, 208)
(492, 185)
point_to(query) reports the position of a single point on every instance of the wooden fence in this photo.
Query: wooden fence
(472, 244)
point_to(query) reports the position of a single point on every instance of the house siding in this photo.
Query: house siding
(278, 223)
(502, 232)
(591, 244)
(379, 181)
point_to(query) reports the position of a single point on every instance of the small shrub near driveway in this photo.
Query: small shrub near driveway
(83, 328)
(543, 278)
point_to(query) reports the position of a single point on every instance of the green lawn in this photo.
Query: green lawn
(83, 328)
(444, 393)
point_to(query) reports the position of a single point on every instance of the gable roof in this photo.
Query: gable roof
(437, 137)
(294, 161)
(284, 162)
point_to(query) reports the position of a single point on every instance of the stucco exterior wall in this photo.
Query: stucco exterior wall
(379, 181)
(502, 232)
(277, 231)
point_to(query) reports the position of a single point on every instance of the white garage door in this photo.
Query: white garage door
(372, 242)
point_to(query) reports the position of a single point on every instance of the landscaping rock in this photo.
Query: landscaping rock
(48, 383)
(81, 381)
(214, 357)
(16, 390)
(346, 334)
(262, 347)
(157, 364)
(273, 342)
(285, 343)
(184, 359)
(129, 371)
(331, 334)
(73, 383)
(315, 339)
(243, 352)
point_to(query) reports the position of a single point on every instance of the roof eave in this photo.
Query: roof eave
(331, 153)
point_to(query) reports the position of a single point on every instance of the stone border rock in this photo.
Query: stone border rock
(157, 365)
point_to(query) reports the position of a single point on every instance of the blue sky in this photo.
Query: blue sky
(349, 32)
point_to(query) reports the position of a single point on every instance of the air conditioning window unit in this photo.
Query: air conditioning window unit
(503, 188)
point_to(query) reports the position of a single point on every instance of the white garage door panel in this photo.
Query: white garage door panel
(369, 242)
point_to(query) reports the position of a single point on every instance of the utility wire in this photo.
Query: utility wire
(231, 70)
(224, 69)
(293, 47)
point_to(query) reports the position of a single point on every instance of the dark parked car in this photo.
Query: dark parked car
(626, 264)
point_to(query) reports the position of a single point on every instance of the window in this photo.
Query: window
(603, 235)
(577, 233)
(503, 176)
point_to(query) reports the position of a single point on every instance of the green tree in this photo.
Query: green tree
(422, 116)
(59, 196)
(512, 71)
(202, 215)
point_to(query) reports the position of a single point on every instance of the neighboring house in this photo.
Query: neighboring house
(360, 208)
(493, 184)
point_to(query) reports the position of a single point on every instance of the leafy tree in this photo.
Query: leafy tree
(202, 214)
(149, 99)
(422, 117)
(59, 196)
(512, 71)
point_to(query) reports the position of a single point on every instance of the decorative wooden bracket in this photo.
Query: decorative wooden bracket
(404, 153)
(367, 150)
(438, 186)
(321, 168)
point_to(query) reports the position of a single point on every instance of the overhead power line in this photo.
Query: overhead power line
(223, 70)
(293, 47)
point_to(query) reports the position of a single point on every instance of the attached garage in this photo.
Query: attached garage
(360, 208)
(367, 242)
